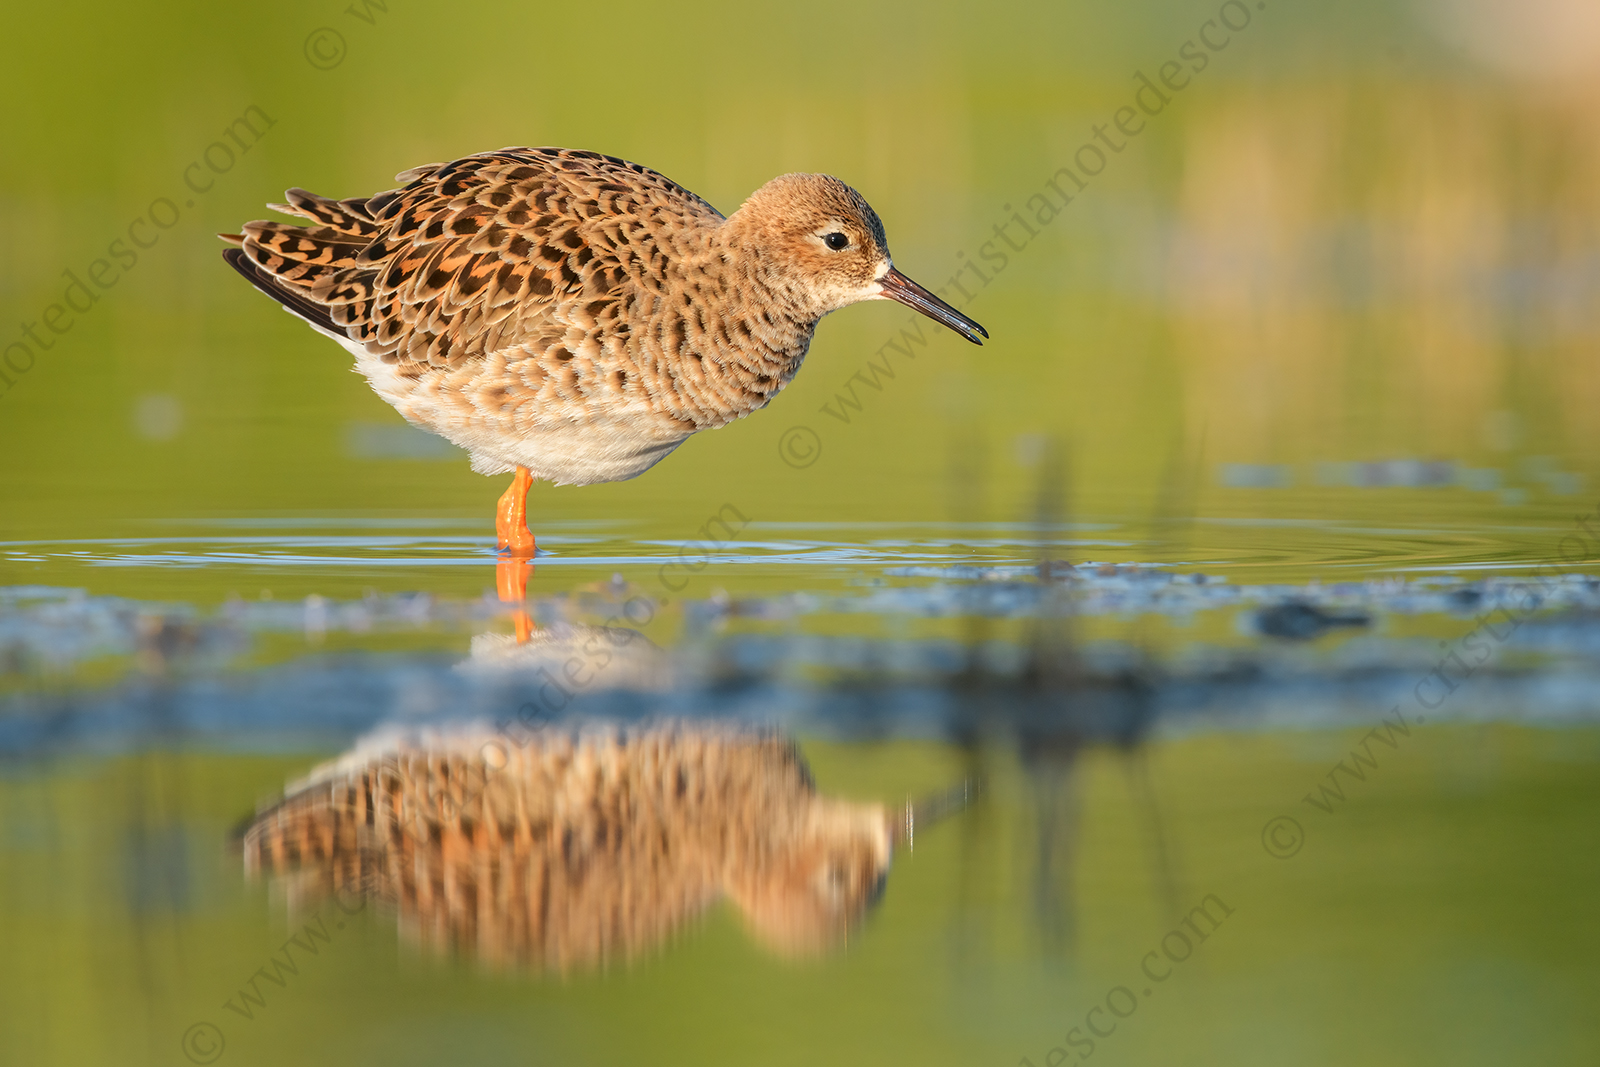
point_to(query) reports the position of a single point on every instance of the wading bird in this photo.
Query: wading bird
(570, 316)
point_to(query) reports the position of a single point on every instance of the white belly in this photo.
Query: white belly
(566, 455)
(623, 444)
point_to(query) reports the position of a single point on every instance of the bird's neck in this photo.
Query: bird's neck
(767, 318)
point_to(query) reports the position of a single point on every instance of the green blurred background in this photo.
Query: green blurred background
(1362, 233)
(1347, 279)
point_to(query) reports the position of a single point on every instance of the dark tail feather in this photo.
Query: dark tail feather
(306, 309)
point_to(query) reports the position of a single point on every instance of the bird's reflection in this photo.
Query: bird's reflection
(571, 846)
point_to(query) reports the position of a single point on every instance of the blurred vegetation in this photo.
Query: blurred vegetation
(1346, 240)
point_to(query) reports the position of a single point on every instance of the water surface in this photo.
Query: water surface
(1243, 588)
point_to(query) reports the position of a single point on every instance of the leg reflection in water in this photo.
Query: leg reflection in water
(511, 574)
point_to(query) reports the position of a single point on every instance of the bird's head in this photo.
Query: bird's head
(804, 896)
(820, 241)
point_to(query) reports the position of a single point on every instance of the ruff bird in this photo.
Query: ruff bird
(569, 316)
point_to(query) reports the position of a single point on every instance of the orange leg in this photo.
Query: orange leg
(511, 579)
(511, 582)
(511, 517)
(516, 544)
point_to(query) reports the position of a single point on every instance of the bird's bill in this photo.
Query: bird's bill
(897, 286)
(929, 810)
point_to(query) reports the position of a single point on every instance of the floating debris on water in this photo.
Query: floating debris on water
(1296, 620)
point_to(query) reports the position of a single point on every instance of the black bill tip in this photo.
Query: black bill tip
(897, 286)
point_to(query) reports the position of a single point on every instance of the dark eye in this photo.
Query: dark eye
(836, 241)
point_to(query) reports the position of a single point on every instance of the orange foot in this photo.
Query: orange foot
(511, 517)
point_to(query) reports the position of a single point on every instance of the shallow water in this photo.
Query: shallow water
(1217, 650)
(1139, 738)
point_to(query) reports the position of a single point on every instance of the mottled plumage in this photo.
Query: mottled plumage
(573, 848)
(572, 313)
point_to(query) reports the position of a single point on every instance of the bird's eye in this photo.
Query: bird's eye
(836, 241)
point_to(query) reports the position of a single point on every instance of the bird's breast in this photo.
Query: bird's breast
(717, 356)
